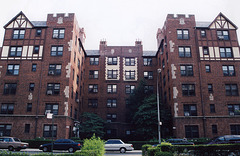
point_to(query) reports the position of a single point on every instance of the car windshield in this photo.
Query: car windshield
(16, 140)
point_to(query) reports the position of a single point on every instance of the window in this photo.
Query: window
(111, 88)
(7, 108)
(75, 113)
(58, 33)
(34, 67)
(38, 32)
(235, 129)
(78, 64)
(183, 34)
(53, 88)
(191, 131)
(18, 34)
(130, 75)
(184, 52)
(190, 110)
(214, 129)
(163, 64)
(47, 131)
(234, 109)
(36, 50)
(93, 88)
(15, 52)
(54, 69)
(27, 128)
(147, 61)
(13, 69)
(93, 74)
(205, 51)
(186, 70)
(127, 102)
(77, 80)
(74, 57)
(207, 68)
(130, 61)
(94, 60)
(31, 87)
(203, 33)
(56, 50)
(148, 75)
(226, 52)
(148, 89)
(92, 103)
(10, 88)
(129, 89)
(210, 88)
(222, 35)
(111, 103)
(212, 108)
(5, 130)
(52, 108)
(29, 107)
(112, 60)
(73, 74)
(228, 70)
(188, 89)
(111, 117)
(231, 89)
(112, 74)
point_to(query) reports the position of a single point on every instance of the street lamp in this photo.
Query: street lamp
(159, 122)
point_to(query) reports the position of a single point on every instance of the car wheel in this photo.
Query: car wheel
(10, 148)
(122, 150)
(45, 149)
(70, 150)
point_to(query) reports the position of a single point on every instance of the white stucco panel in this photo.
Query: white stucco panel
(30, 96)
(68, 70)
(173, 67)
(66, 91)
(171, 43)
(175, 109)
(66, 108)
(217, 54)
(236, 52)
(70, 45)
(5, 50)
(175, 92)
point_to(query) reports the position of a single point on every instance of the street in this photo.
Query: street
(108, 153)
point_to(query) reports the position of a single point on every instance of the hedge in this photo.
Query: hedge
(222, 149)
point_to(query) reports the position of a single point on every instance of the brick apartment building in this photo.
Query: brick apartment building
(44, 68)
(199, 64)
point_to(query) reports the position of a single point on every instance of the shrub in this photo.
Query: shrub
(160, 153)
(5, 153)
(145, 148)
(92, 147)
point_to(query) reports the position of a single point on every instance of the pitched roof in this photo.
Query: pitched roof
(149, 53)
(92, 52)
(39, 23)
(14, 18)
(202, 24)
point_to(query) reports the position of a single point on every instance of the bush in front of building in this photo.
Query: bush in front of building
(5, 153)
(222, 149)
(92, 147)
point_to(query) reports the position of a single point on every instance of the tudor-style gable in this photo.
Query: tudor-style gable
(19, 21)
(222, 22)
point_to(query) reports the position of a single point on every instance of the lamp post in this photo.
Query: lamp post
(158, 107)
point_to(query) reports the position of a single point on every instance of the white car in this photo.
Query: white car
(117, 145)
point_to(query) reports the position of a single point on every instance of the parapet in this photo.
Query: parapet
(52, 17)
(178, 16)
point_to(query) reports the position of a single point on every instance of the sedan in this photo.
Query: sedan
(117, 145)
(61, 144)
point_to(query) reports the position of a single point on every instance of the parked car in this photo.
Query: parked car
(61, 144)
(179, 142)
(117, 145)
(12, 143)
(225, 139)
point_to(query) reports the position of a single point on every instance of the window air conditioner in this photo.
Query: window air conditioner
(186, 114)
(55, 35)
(220, 37)
(77, 100)
(51, 72)
(49, 92)
(231, 113)
(47, 111)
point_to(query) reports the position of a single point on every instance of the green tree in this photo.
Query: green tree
(91, 124)
(145, 118)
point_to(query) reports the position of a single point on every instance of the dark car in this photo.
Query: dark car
(61, 144)
(225, 139)
(179, 142)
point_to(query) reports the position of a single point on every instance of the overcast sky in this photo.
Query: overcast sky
(120, 22)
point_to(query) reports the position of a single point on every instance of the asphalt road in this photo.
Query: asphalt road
(108, 153)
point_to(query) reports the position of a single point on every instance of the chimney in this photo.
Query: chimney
(138, 43)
